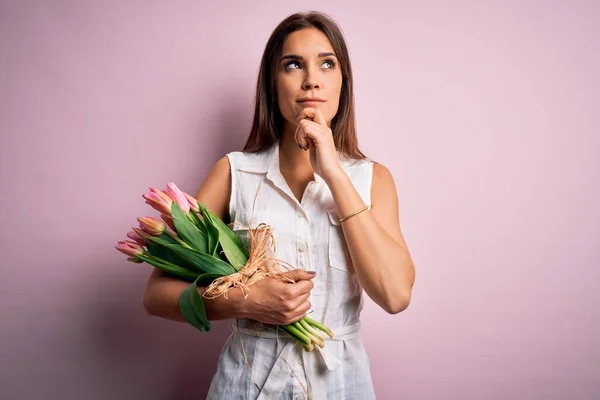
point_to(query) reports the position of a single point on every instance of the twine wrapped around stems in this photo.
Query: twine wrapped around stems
(261, 264)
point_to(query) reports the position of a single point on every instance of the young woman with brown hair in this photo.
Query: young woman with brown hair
(333, 212)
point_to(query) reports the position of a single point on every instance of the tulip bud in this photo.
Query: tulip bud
(152, 226)
(130, 248)
(193, 202)
(160, 193)
(169, 221)
(136, 237)
(140, 232)
(178, 197)
(158, 200)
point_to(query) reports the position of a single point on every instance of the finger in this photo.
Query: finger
(296, 303)
(306, 133)
(300, 312)
(313, 114)
(306, 113)
(302, 135)
(318, 118)
(299, 137)
(300, 288)
(299, 274)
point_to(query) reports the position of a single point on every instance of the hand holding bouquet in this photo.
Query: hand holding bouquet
(203, 250)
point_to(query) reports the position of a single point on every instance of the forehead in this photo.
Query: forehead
(307, 42)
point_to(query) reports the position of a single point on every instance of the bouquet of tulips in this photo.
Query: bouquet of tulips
(203, 250)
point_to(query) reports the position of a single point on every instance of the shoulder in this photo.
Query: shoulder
(221, 169)
(381, 173)
(215, 190)
(249, 161)
(383, 185)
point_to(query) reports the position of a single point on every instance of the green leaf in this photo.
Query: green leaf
(202, 261)
(213, 238)
(157, 248)
(231, 245)
(198, 221)
(191, 303)
(163, 240)
(192, 307)
(207, 279)
(187, 230)
(171, 269)
(211, 233)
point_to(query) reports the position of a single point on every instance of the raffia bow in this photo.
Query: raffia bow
(261, 264)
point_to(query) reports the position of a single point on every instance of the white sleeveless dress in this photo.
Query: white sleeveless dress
(308, 236)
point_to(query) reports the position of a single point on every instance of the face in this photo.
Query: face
(308, 75)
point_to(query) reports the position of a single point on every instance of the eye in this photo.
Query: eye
(330, 62)
(289, 65)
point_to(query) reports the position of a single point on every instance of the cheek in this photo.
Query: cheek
(285, 100)
(282, 93)
(335, 98)
(333, 108)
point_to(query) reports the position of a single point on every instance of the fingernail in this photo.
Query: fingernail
(312, 272)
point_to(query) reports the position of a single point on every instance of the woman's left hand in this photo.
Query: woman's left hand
(313, 134)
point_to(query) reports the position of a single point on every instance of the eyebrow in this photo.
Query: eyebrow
(297, 57)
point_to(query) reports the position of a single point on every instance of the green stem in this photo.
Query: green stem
(317, 325)
(298, 326)
(318, 337)
(297, 333)
(290, 334)
(307, 347)
(307, 333)
(178, 240)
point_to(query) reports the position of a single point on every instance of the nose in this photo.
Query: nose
(307, 85)
(310, 80)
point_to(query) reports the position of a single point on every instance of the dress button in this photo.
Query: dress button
(302, 247)
(300, 214)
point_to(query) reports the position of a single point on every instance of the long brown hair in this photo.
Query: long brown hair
(267, 126)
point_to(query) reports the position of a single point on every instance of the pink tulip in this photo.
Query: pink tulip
(136, 237)
(158, 200)
(193, 202)
(152, 226)
(178, 197)
(141, 232)
(130, 248)
(169, 221)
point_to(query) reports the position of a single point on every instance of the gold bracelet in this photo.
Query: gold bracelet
(353, 214)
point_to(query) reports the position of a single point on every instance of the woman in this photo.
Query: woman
(333, 212)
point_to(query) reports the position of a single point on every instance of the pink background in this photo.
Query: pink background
(486, 114)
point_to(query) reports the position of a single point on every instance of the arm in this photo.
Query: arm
(161, 299)
(161, 295)
(380, 256)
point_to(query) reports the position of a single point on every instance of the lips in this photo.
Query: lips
(311, 100)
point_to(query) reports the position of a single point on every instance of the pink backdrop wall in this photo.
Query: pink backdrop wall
(486, 114)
